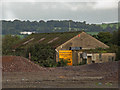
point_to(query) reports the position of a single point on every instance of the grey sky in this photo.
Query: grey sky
(91, 12)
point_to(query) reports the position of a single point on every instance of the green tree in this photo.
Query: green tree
(118, 53)
(42, 54)
(115, 38)
(7, 43)
(105, 37)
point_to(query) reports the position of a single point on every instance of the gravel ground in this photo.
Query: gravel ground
(29, 75)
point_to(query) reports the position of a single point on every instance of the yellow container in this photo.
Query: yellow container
(66, 55)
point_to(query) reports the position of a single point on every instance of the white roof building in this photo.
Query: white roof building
(26, 32)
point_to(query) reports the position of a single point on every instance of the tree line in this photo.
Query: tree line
(17, 26)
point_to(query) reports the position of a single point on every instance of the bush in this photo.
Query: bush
(62, 63)
(42, 54)
(8, 41)
(48, 63)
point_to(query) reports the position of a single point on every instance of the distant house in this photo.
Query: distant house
(25, 32)
(75, 47)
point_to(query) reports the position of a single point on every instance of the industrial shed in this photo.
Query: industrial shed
(74, 47)
(80, 46)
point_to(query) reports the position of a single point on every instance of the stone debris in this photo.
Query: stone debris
(95, 71)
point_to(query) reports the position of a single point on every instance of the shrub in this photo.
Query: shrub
(42, 54)
(7, 44)
(62, 62)
(48, 63)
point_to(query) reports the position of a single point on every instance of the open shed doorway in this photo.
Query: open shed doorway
(89, 59)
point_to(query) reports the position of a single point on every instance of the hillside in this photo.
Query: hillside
(109, 25)
(17, 26)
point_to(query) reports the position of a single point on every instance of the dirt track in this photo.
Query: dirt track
(103, 75)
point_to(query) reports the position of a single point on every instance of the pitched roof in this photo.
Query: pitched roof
(83, 40)
(53, 39)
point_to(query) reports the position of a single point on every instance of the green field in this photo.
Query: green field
(93, 33)
(111, 25)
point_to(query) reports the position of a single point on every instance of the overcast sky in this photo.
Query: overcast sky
(95, 11)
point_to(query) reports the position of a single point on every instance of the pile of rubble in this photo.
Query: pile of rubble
(19, 64)
(108, 70)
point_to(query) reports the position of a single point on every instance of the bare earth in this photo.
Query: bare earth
(103, 75)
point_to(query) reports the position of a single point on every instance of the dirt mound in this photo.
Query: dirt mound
(108, 70)
(19, 64)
